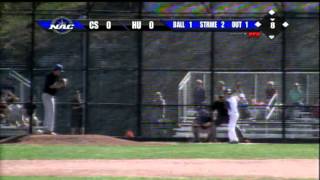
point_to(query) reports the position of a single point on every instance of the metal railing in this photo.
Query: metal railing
(270, 108)
(23, 82)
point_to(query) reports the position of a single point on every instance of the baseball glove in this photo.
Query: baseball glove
(61, 83)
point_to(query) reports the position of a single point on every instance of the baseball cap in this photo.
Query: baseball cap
(58, 67)
(270, 82)
(228, 91)
(221, 82)
(199, 81)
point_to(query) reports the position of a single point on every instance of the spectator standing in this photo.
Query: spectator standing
(270, 91)
(76, 114)
(220, 88)
(296, 98)
(159, 100)
(243, 107)
(237, 90)
(199, 94)
(296, 95)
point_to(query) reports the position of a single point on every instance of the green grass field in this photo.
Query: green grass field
(180, 150)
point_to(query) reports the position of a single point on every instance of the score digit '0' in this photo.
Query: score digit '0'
(108, 24)
(151, 24)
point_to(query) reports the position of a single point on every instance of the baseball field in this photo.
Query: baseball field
(99, 157)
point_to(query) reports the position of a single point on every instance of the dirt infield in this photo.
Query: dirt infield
(163, 168)
(277, 168)
(99, 140)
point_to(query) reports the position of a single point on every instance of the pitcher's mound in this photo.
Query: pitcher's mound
(79, 140)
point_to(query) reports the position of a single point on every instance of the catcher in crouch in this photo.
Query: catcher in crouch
(53, 83)
(203, 122)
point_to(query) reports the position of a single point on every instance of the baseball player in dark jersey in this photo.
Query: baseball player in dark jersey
(221, 106)
(53, 83)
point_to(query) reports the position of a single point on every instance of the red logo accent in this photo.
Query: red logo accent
(253, 34)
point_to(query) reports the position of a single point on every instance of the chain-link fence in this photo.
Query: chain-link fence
(144, 81)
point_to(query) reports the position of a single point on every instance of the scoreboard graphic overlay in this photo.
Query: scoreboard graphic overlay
(270, 25)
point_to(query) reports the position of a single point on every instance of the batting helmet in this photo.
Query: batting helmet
(228, 91)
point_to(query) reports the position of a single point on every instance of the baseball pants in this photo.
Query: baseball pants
(233, 118)
(49, 111)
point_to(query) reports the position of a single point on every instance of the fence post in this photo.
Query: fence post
(85, 75)
(283, 77)
(139, 74)
(31, 65)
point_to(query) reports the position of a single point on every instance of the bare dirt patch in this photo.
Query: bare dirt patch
(99, 140)
(283, 168)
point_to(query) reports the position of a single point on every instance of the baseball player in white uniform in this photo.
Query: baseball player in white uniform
(233, 116)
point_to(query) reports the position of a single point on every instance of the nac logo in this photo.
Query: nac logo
(61, 25)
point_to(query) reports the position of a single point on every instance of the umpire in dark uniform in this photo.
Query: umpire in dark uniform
(203, 121)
